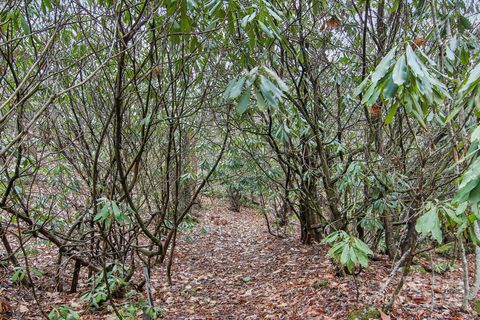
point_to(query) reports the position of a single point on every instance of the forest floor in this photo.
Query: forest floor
(229, 267)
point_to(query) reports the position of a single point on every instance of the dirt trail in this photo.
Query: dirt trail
(230, 267)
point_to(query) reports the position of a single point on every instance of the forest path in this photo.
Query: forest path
(230, 267)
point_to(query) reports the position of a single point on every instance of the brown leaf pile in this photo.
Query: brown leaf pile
(230, 267)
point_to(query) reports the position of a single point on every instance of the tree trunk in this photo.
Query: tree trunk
(389, 235)
(8, 248)
(234, 198)
(309, 216)
(186, 186)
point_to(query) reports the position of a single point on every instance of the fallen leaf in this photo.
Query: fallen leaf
(383, 315)
(23, 308)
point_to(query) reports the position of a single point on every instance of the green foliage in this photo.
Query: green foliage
(468, 193)
(99, 292)
(416, 268)
(407, 79)
(436, 215)
(238, 171)
(443, 267)
(19, 275)
(429, 223)
(348, 250)
(267, 86)
(370, 313)
(186, 225)
(446, 249)
(247, 279)
(320, 284)
(469, 88)
(135, 310)
(95, 297)
(189, 292)
(469, 188)
(476, 306)
(110, 212)
(63, 312)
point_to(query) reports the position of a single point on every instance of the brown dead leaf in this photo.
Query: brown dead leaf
(383, 315)
(5, 308)
(419, 42)
(419, 300)
(157, 70)
(23, 308)
(333, 22)
(278, 275)
(375, 110)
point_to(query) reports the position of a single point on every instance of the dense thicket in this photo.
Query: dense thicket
(356, 120)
